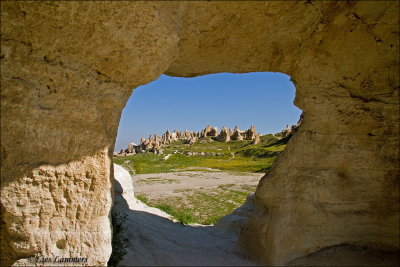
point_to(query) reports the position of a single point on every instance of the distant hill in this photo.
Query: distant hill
(206, 153)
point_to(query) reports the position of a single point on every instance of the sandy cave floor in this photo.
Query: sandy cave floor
(157, 240)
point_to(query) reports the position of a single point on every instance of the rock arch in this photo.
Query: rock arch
(68, 69)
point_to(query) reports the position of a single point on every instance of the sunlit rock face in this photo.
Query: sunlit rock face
(68, 69)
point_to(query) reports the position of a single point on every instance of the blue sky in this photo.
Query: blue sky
(264, 99)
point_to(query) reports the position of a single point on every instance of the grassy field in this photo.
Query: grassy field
(234, 156)
(200, 205)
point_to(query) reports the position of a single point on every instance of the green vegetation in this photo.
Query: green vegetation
(181, 215)
(233, 156)
(200, 206)
(143, 198)
(204, 206)
(155, 180)
(118, 242)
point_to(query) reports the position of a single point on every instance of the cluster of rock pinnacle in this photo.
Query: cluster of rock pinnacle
(155, 144)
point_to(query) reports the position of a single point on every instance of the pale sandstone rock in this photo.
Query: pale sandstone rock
(193, 140)
(157, 139)
(230, 132)
(60, 108)
(174, 135)
(151, 140)
(156, 148)
(213, 132)
(223, 135)
(148, 147)
(237, 134)
(256, 140)
(168, 136)
(131, 148)
(250, 133)
(68, 69)
(142, 140)
(206, 131)
(186, 134)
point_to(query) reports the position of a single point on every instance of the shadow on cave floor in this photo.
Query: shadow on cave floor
(348, 255)
(156, 240)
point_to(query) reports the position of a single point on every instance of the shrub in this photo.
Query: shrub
(118, 242)
(143, 198)
(182, 216)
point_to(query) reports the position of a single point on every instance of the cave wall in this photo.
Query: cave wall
(68, 69)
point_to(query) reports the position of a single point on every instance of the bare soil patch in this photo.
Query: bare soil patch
(161, 185)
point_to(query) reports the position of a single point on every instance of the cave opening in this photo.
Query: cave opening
(191, 151)
(339, 186)
(197, 147)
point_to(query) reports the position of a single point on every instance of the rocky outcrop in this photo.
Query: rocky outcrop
(61, 102)
(69, 67)
(224, 135)
(156, 144)
(286, 131)
(213, 132)
(206, 131)
(131, 148)
(256, 140)
(251, 133)
(237, 134)
(290, 130)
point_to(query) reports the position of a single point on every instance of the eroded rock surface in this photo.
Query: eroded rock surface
(156, 144)
(68, 69)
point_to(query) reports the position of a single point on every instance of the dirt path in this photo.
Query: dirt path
(171, 184)
(156, 240)
(233, 156)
